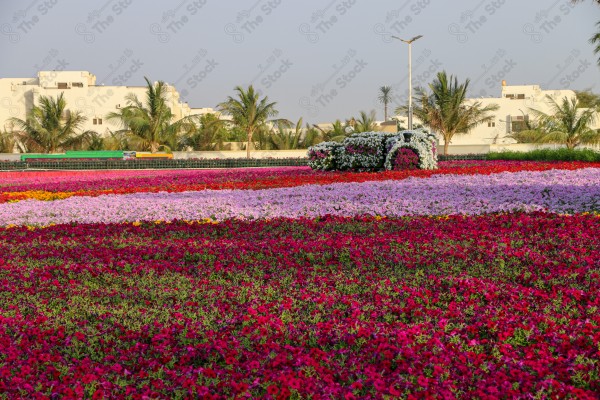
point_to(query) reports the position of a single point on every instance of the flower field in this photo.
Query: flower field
(476, 280)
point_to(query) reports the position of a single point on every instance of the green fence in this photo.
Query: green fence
(456, 157)
(152, 163)
(32, 163)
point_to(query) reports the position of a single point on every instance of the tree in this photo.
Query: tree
(566, 123)
(249, 112)
(50, 127)
(445, 111)
(385, 97)
(312, 136)
(149, 125)
(336, 133)
(587, 99)
(287, 136)
(595, 39)
(7, 142)
(210, 135)
(365, 122)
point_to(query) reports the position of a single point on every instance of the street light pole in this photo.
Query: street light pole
(410, 110)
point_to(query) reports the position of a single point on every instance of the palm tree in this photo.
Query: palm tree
(209, 136)
(566, 124)
(248, 112)
(336, 133)
(7, 142)
(150, 125)
(287, 136)
(50, 127)
(595, 39)
(117, 140)
(385, 97)
(445, 111)
(366, 122)
(312, 136)
(586, 98)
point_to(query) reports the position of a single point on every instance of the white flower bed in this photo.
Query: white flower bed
(372, 151)
(421, 143)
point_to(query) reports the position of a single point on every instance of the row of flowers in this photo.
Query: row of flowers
(490, 306)
(16, 186)
(559, 191)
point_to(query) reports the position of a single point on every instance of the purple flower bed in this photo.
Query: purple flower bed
(558, 191)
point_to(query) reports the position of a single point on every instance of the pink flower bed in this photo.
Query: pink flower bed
(459, 307)
(277, 298)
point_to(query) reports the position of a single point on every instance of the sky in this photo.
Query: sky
(319, 60)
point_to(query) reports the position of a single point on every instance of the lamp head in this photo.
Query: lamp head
(409, 41)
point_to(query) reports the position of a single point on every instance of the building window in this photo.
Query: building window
(491, 124)
(63, 85)
(515, 96)
(77, 84)
(520, 123)
(97, 121)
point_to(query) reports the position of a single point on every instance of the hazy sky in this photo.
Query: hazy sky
(320, 60)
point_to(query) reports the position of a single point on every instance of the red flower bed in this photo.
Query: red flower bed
(461, 307)
(16, 186)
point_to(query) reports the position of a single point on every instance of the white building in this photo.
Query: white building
(19, 95)
(515, 104)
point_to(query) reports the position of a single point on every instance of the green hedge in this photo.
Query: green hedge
(562, 154)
